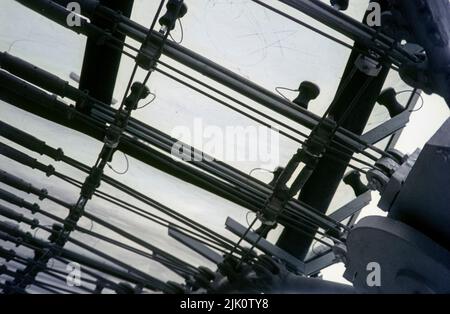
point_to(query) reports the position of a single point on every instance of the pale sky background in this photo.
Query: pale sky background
(240, 35)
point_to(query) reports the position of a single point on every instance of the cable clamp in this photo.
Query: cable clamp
(148, 54)
(112, 136)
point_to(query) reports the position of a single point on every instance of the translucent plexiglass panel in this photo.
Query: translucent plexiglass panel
(240, 35)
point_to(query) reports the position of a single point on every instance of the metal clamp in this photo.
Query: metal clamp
(368, 65)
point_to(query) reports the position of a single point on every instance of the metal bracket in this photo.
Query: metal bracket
(387, 128)
(396, 181)
(265, 245)
(352, 207)
(195, 245)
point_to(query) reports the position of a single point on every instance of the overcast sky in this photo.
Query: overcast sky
(239, 35)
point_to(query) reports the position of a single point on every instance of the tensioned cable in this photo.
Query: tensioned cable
(322, 33)
(97, 252)
(79, 183)
(302, 225)
(349, 134)
(356, 138)
(56, 272)
(305, 205)
(52, 272)
(43, 284)
(249, 108)
(339, 91)
(135, 194)
(385, 39)
(342, 118)
(148, 201)
(145, 214)
(96, 235)
(38, 248)
(99, 279)
(115, 229)
(81, 201)
(260, 121)
(55, 288)
(298, 214)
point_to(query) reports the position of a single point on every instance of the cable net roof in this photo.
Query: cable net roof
(242, 36)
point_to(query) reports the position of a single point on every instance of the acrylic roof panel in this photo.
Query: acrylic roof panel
(240, 35)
